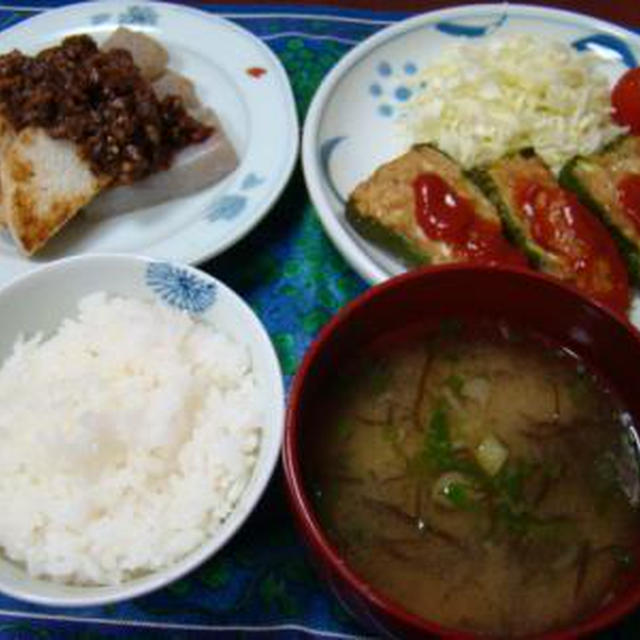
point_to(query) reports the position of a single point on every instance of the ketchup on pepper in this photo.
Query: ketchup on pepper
(563, 227)
(446, 216)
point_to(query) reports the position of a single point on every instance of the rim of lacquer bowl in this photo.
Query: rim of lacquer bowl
(305, 513)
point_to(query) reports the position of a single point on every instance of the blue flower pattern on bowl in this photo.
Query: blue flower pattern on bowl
(232, 205)
(391, 88)
(180, 288)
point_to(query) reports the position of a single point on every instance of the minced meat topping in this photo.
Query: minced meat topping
(100, 101)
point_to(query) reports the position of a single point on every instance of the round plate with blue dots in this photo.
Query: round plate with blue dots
(354, 123)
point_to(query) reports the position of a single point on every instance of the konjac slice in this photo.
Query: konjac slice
(195, 168)
(422, 209)
(559, 233)
(172, 83)
(609, 184)
(147, 53)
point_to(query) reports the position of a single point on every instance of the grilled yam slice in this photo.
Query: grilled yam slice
(44, 184)
(594, 179)
(382, 208)
(7, 135)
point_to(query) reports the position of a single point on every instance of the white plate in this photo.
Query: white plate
(235, 74)
(350, 130)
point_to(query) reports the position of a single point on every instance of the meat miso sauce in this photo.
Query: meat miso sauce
(480, 478)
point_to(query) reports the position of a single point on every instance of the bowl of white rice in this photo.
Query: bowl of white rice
(141, 419)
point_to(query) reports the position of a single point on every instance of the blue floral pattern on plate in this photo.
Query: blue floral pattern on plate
(139, 15)
(133, 15)
(251, 181)
(392, 87)
(229, 206)
(180, 288)
(100, 18)
(470, 30)
(326, 151)
(613, 45)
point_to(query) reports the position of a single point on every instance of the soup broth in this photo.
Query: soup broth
(479, 478)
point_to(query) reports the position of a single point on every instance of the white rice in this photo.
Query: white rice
(126, 439)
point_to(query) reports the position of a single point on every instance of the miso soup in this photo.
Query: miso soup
(480, 478)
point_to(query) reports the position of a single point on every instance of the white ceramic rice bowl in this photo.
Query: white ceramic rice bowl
(40, 300)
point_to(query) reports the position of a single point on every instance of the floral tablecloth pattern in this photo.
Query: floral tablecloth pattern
(262, 584)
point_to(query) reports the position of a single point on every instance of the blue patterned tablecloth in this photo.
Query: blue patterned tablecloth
(262, 583)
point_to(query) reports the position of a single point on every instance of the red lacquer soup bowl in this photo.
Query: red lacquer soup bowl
(607, 343)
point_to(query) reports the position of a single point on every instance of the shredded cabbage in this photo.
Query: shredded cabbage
(482, 100)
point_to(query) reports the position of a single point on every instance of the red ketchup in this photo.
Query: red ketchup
(629, 197)
(448, 217)
(562, 226)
